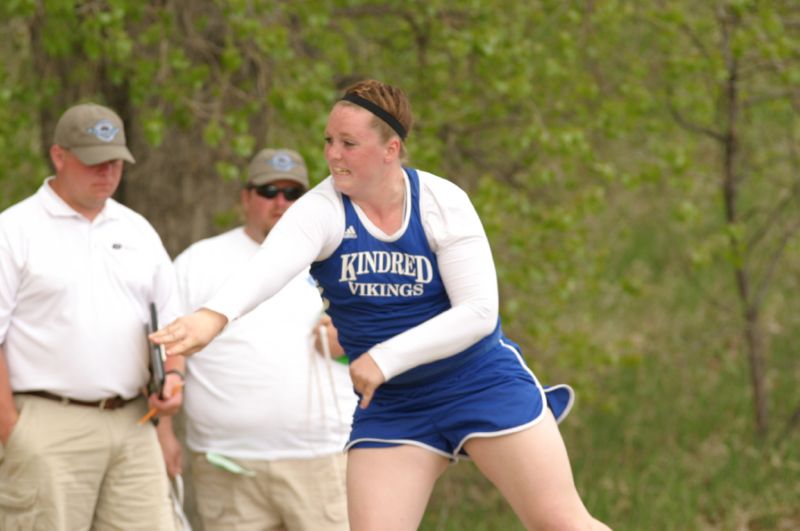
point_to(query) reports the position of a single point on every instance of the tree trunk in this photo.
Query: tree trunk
(754, 339)
(753, 333)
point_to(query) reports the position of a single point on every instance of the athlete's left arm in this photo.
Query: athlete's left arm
(467, 269)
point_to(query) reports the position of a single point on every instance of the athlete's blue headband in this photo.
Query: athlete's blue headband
(378, 111)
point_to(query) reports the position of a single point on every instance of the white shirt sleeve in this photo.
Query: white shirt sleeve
(310, 230)
(9, 277)
(165, 285)
(182, 265)
(456, 235)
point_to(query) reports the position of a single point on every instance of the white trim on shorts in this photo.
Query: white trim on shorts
(488, 434)
(455, 456)
(409, 442)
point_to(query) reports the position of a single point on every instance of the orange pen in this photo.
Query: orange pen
(153, 411)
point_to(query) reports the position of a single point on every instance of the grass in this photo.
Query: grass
(679, 454)
(662, 436)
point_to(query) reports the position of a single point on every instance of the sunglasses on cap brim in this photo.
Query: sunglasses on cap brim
(270, 191)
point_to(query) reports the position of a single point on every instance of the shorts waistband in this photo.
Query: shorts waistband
(114, 402)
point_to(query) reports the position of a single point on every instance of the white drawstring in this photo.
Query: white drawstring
(176, 493)
(326, 352)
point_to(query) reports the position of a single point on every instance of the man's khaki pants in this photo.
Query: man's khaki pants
(71, 467)
(285, 494)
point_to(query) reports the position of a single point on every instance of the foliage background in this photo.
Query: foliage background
(603, 143)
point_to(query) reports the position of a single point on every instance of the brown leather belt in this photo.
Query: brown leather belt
(115, 402)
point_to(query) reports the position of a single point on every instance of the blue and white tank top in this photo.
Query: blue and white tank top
(377, 290)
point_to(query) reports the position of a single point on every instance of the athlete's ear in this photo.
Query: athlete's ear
(392, 149)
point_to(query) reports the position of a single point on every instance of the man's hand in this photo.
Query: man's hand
(7, 423)
(366, 377)
(189, 334)
(172, 396)
(326, 338)
(8, 409)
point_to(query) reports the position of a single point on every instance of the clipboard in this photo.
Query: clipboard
(158, 356)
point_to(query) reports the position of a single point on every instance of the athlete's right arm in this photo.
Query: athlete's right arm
(310, 230)
(8, 410)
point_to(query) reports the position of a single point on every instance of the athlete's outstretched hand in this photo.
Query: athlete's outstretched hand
(188, 334)
(366, 377)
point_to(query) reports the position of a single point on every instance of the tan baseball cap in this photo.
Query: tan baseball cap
(93, 133)
(271, 165)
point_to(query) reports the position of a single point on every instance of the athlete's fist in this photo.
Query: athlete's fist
(366, 377)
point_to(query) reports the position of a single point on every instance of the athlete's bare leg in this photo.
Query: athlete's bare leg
(388, 488)
(532, 471)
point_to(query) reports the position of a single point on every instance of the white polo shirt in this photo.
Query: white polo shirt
(260, 390)
(75, 295)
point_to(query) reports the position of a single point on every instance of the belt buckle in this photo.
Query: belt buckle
(65, 400)
(102, 404)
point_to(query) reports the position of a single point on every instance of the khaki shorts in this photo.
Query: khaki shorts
(69, 467)
(286, 494)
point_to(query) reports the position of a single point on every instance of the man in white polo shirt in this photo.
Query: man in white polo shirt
(78, 272)
(267, 415)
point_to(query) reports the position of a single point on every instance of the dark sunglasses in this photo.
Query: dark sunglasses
(270, 191)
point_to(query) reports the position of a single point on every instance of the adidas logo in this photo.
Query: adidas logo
(350, 233)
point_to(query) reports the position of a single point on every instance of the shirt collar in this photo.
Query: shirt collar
(57, 207)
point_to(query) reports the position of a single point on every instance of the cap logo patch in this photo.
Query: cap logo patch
(103, 130)
(282, 162)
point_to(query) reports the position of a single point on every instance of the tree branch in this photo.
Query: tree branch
(691, 126)
(766, 280)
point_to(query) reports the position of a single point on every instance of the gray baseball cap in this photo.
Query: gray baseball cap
(271, 165)
(93, 133)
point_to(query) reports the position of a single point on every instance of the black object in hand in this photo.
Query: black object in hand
(157, 356)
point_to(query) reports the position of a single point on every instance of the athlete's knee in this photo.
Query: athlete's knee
(569, 524)
(564, 520)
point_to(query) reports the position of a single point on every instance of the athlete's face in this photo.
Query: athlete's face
(357, 155)
(85, 188)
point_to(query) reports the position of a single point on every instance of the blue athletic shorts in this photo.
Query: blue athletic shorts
(490, 395)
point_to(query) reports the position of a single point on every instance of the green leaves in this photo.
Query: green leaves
(586, 133)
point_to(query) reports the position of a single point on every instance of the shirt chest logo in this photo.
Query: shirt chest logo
(350, 233)
(415, 266)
